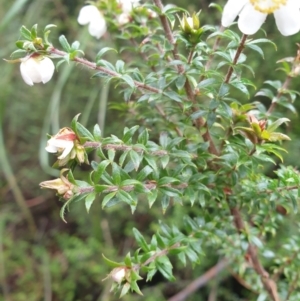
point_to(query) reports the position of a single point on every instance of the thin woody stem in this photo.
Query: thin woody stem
(200, 281)
(199, 122)
(210, 57)
(161, 253)
(93, 66)
(279, 94)
(236, 57)
(268, 283)
(149, 186)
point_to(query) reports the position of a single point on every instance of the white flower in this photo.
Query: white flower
(90, 14)
(128, 5)
(124, 18)
(253, 13)
(36, 70)
(63, 143)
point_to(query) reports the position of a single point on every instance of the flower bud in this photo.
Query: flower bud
(36, 69)
(118, 274)
(189, 24)
(190, 27)
(62, 185)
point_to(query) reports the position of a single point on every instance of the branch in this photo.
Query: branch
(268, 283)
(150, 185)
(93, 66)
(124, 147)
(201, 281)
(279, 94)
(236, 57)
(200, 123)
(158, 254)
(210, 57)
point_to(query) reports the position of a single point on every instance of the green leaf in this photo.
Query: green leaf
(125, 197)
(173, 95)
(101, 167)
(136, 159)
(126, 78)
(116, 174)
(165, 202)
(180, 81)
(64, 43)
(83, 132)
(128, 133)
(103, 51)
(164, 266)
(25, 33)
(278, 137)
(277, 123)
(224, 89)
(143, 174)
(125, 289)
(111, 263)
(152, 196)
(140, 240)
(34, 32)
(89, 201)
(97, 132)
(151, 161)
(143, 137)
(135, 288)
(164, 160)
(163, 140)
(211, 118)
(107, 198)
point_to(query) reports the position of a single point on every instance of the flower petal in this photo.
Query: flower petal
(24, 75)
(288, 18)
(51, 149)
(87, 13)
(231, 11)
(30, 70)
(250, 20)
(47, 68)
(66, 151)
(97, 28)
(128, 5)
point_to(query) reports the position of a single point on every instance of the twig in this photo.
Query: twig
(201, 281)
(199, 122)
(210, 57)
(268, 283)
(93, 66)
(158, 254)
(279, 94)
(149, 186)
(236, 57)
(292, 287)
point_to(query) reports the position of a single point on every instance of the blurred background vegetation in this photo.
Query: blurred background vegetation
(41, 257)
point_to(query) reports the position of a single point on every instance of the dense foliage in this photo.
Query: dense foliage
(195, 180)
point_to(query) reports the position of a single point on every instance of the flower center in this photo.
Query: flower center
(267, 6)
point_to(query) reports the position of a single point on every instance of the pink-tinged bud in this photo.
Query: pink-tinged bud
(62, 185)
(62, 143)
(118, 274)
(36, 69)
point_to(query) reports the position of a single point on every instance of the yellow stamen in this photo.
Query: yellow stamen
(267, 6)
